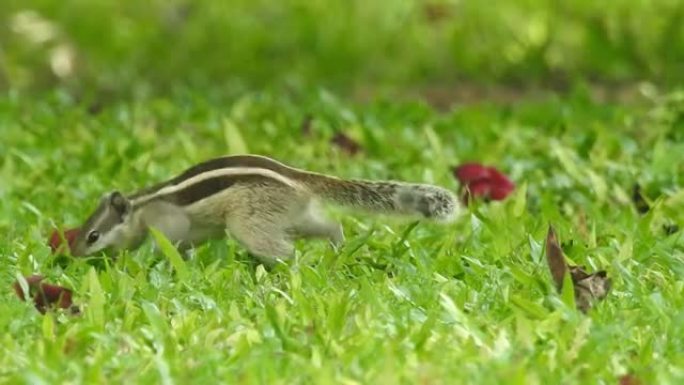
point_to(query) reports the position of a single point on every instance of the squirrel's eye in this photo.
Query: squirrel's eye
(93, 236)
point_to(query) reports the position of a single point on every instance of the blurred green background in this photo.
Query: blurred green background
(132, 47)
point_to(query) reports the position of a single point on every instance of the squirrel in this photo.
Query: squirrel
(262, 203)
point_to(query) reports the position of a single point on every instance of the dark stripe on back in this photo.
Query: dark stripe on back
(219, 163)
(211, 186)
(231, 162)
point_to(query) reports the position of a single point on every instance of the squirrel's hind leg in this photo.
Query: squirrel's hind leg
(264, 240)
(262, 223)
(312, 223)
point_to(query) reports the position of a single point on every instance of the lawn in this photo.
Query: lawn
(576, 104)
(402, 302)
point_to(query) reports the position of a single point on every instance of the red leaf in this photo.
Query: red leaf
(33, 284)
(499, 192)
(53, 294)
(483, 182)
(470, 172)
(46, 295)
(499, 179)
(480, 189)
(56, 239)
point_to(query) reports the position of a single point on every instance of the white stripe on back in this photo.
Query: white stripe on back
(231, 171)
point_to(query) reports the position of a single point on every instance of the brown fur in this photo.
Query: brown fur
(262, 203)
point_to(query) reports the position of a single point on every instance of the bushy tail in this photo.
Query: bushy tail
(387, 197)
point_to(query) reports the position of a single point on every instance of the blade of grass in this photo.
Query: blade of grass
(171, 252)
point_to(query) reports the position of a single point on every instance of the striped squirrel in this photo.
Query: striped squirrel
(262, 203)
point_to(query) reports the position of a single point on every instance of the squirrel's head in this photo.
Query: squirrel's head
(107, 228)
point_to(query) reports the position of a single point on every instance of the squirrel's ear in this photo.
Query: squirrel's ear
(119, 203)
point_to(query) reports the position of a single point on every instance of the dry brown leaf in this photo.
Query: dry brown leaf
(640, 202)
(588, 287)
(306, 127)
(346, 144)
(629, 379)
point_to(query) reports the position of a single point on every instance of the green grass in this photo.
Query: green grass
(466, 303)
(153, 47)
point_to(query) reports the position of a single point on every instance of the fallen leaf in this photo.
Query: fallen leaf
(471, 172)
(555, 258)
(57, 237)
(643, 207)
(588, 287)
(32, 282)
(629, 379)
(670, 229)
(436, 12)
(640, 202)
(481, 181)
(347, 144)
(306, 127)
(45, 295)
(582, 227)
